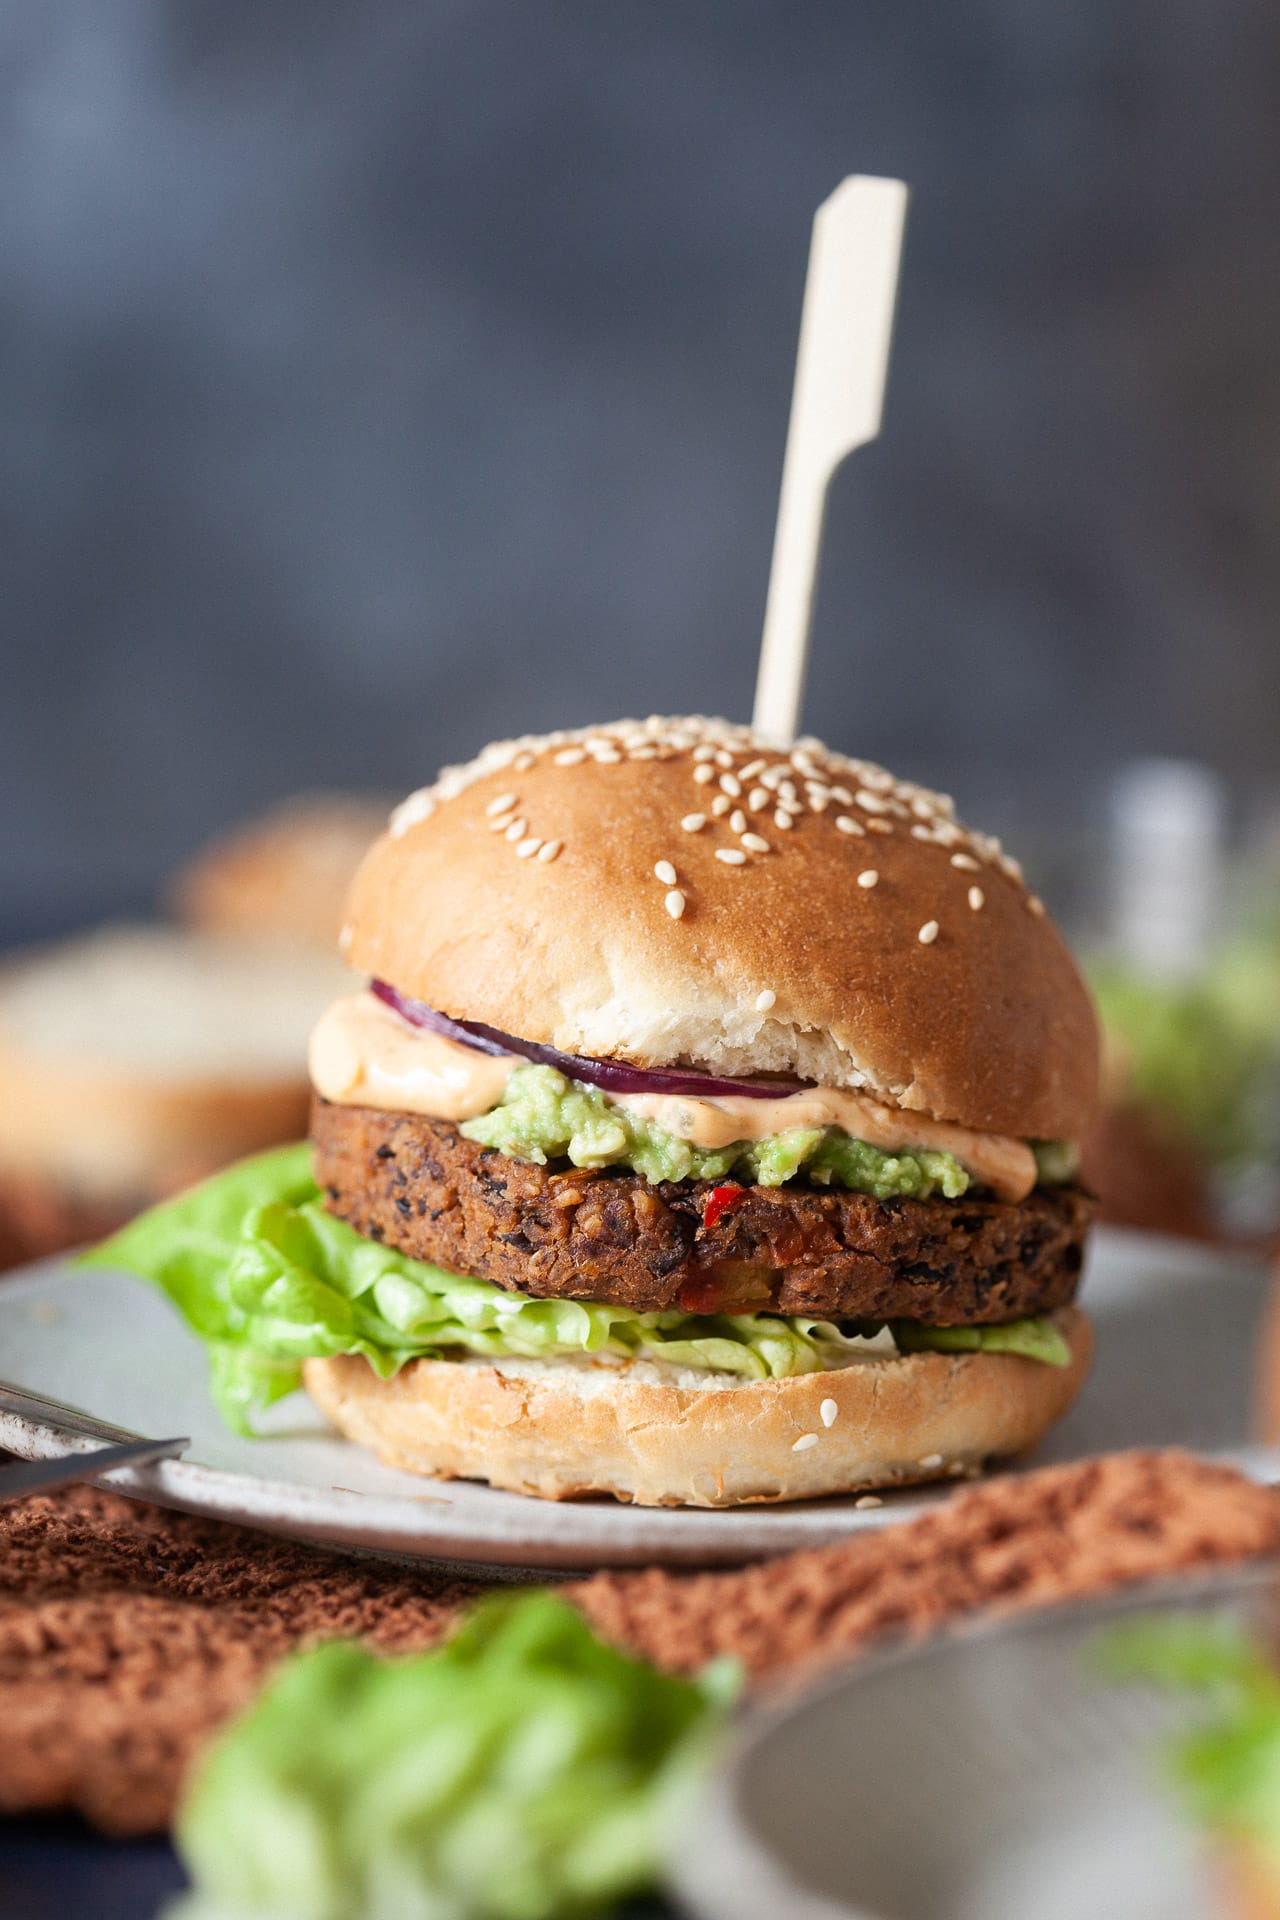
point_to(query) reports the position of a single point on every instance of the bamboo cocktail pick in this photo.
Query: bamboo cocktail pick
(841, 365)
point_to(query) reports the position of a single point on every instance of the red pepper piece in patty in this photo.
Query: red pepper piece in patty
(719, 1201)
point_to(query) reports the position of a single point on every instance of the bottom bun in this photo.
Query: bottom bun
(667, 1438)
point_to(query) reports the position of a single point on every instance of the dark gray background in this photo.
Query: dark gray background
(375, 379)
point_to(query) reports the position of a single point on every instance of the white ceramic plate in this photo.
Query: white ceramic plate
(1175, 1333)
(1001, 1775)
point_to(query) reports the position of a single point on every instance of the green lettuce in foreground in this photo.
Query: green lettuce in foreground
(267, 1279)
(543, 1116)
(1227, 1766)
(522, 1771)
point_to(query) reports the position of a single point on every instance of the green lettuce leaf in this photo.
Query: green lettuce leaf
(522, 1771)
(1036, 1339)
(267, 1279)
(1226, 1765)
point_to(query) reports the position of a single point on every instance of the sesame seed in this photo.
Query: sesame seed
(1008, 865)
(503, 804)
(694, 822)
(704, 773)
(549, 849)
(730, 784)
(869, 1500)
(976, 897)
(1035, 903)
(869, 878)
(665, 872)
(502, 822)
(724, 759)
(828, 1412)
(931, 1460)
(928, 933)
(879, 826)
(704, 753)
(766, 1000)
(871, 802)
(845, 825)
(607, 757)
(782, 820)
(757, 798)
(843, 795)
(805, 1441)
(528, 847)
(721, 805)
(922, 833)
(517, 829)
(570, 757)
(522, 762)
(731, 856)
(923, 810)
(755, 843)
(738, 820)
(819, 801)
(752, 768)
(419, 806)
(674, 903)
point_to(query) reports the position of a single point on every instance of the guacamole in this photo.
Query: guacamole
(543, 1116)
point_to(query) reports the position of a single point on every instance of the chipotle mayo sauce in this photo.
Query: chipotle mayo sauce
(363, 1054)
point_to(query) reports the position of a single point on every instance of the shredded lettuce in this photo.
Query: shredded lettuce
(267, 1279)
(544, 1116)
(1036, 1339)
(522, 1771)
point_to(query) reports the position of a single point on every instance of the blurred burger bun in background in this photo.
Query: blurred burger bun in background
(137, 1059)
(284, 874)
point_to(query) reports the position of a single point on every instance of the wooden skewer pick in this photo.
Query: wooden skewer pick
(841, 366)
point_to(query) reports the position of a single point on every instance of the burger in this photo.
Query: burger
(760, 1071)
(705, 1134)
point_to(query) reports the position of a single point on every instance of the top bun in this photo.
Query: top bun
(532, 890)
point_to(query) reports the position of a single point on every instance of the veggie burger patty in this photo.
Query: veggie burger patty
(611, 1236)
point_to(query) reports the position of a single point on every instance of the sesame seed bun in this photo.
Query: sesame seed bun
(560, 1429)
(827, 922)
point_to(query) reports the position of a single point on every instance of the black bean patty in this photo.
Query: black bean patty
(611, 1236)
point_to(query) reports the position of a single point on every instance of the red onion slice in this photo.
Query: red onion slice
(614, 1076)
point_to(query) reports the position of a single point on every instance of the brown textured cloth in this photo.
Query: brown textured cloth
(127, 1634)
